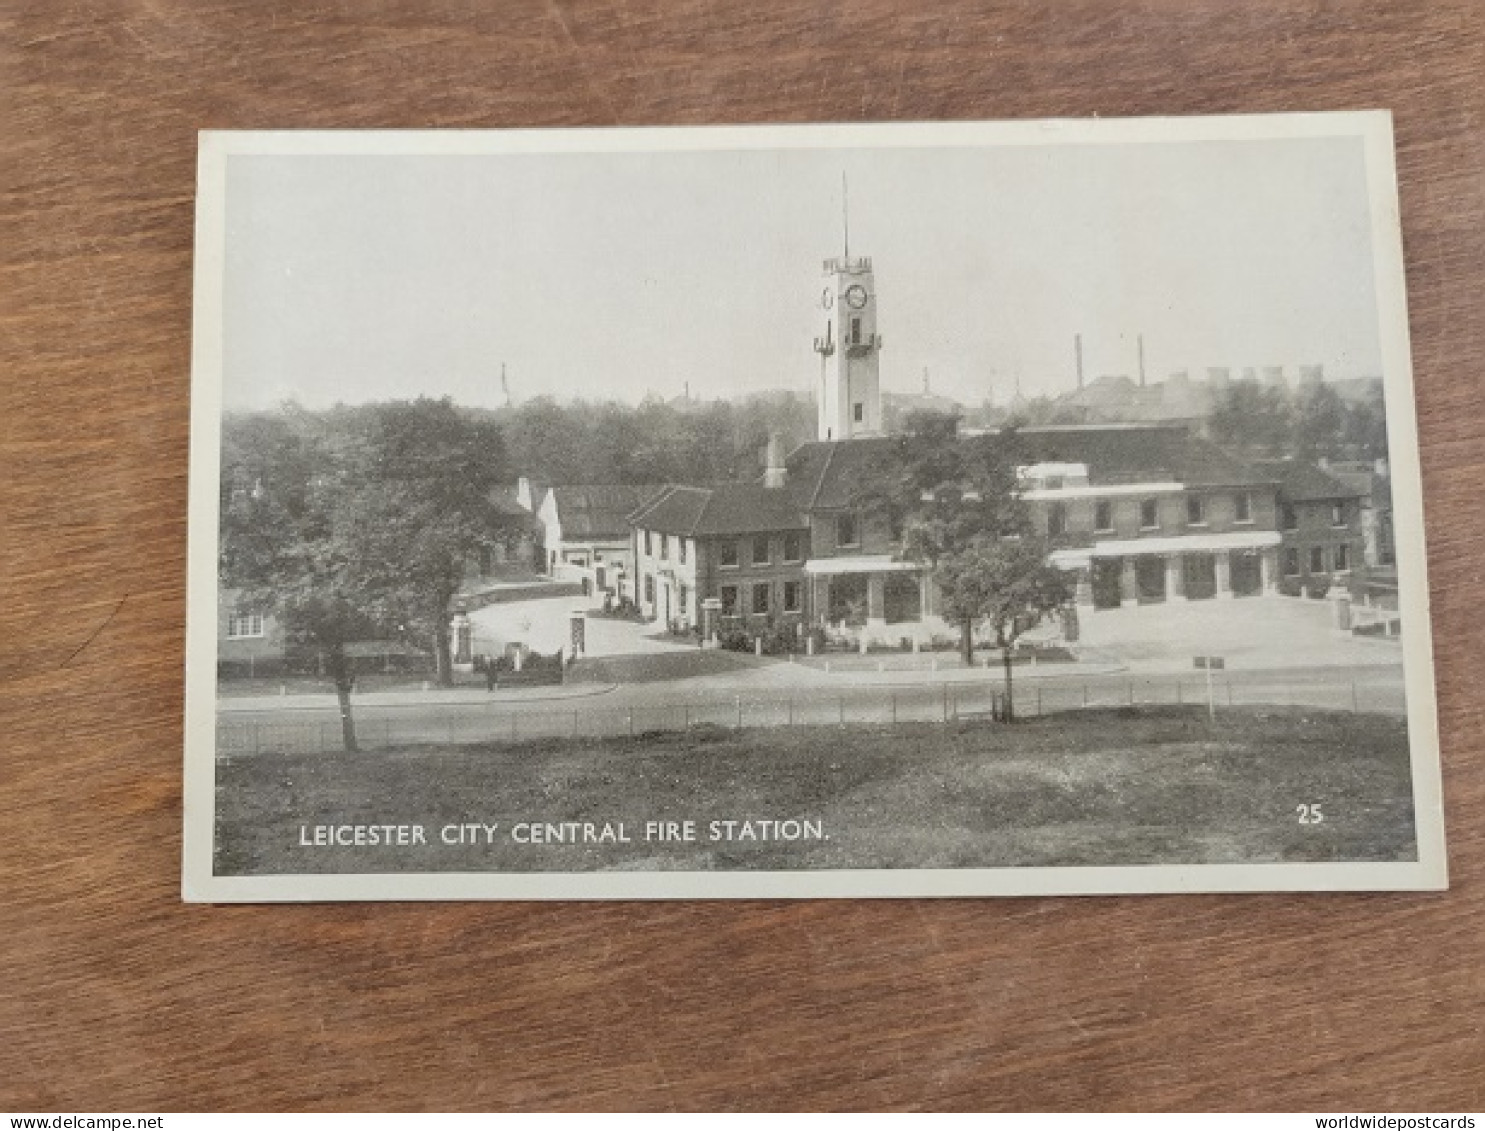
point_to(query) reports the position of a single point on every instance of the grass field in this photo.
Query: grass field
(1099, 787)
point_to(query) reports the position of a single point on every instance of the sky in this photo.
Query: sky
(622, 275)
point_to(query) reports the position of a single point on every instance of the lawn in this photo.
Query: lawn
(1120, 786)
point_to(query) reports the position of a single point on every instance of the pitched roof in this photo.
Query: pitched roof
(600, 511)
(825, 476)
(1133, 453)
(1303, 482)
(721, 508)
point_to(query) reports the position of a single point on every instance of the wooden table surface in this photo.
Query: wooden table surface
(116, 996)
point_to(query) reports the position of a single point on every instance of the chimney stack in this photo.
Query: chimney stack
(774, 473)
(1078, 351)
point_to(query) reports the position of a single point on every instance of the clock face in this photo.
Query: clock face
(856, 296)
(827, 298)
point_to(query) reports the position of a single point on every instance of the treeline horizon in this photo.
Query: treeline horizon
(584, 441)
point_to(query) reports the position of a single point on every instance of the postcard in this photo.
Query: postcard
(806, 511)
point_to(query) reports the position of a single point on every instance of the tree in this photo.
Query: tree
(284, 542)
(1007, 584)
(1254, 418)
(1319, 423)
(948, 496)
(416, 478)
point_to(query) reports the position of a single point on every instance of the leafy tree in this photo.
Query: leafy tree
(1319, 423)
(1254, 418)
(417, 477)
(956, 502)
(1004, 583)
(285, 544)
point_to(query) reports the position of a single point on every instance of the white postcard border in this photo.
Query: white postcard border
(199, 884)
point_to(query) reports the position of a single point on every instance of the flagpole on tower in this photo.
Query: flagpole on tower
(845, 213)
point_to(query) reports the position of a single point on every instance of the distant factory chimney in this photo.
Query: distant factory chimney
(925, 380)
(775, 474)
(1142, 360)
(1078, 356)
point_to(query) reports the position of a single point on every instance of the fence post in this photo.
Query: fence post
(574, 723)
(840, 703)
(1038, 701)
(946, 702)
(515, 725)
(1354, 707)
(1085, 693)
(1179, 700)
(1131, 693)
(894, 708)
(791, 712)
(739, 712)
(686, 716)
(631, 723)
(255, 735)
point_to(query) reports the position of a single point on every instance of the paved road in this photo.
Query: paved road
(468, 717)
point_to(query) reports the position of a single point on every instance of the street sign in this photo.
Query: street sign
(1211, 664)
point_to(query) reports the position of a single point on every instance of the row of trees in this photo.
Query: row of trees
(680, 441)
(1315, 422)
(358, 523)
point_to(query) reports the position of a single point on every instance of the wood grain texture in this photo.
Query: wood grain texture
(116, 996)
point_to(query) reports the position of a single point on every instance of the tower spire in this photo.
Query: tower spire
(845, 213)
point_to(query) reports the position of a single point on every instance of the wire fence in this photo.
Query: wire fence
(381, 728)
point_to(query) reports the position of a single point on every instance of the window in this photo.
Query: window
(1317, 559)
(1291, 562)
(855, 331)
(845, 530)
(1053, 482)
(760, 597)
(1195, 512)
(729, 600)
(681, 549)
(664, 547)
(727, 552)
(649, 546)
(1342, 558)
(649, 590)
(1150, 514)
(1289, 517)
(760, 549)
(1056, 520)
(791, 596)
(242, 626)
(791, 548)
(682, 594)
(1243, 507)
(858, 412)
(1337, 513)
(1103, 515)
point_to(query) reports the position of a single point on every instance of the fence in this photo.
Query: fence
(394, 727)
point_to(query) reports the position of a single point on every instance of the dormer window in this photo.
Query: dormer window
(1056, 520)
(846, 532)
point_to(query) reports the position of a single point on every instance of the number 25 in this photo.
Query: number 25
(1309, 814)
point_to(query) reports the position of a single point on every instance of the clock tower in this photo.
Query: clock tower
(850, 390)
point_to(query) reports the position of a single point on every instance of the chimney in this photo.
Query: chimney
(774, 472)
(1078, 354)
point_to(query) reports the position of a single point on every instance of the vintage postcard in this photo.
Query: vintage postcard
(850, 511)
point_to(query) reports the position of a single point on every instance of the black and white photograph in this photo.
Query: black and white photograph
(795, 511)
